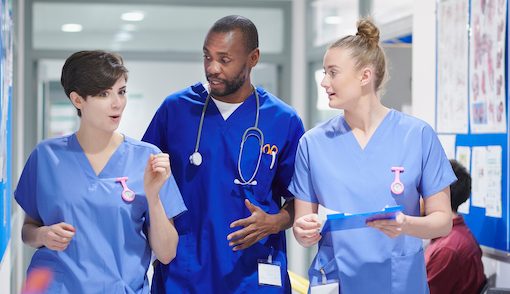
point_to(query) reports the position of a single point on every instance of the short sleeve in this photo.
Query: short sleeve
(286, 163)
(26, 190)
(301, 184)
(437, 172)
(156, 131)
(171, 198)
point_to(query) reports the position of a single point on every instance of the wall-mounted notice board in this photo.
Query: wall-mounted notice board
(472, 106)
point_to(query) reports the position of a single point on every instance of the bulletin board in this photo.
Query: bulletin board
(6, 66)
(472, 106)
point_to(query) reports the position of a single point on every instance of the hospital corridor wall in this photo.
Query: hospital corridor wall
(424, 106)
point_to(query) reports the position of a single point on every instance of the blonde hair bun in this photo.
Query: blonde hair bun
(368, 31)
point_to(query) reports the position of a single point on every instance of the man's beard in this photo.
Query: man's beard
(231, 86)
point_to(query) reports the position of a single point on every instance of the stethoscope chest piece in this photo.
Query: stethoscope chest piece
(195, 159)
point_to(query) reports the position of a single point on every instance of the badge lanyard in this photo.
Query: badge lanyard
(269, 271)
(325, 286)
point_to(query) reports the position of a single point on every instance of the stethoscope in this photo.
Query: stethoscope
(196, 158)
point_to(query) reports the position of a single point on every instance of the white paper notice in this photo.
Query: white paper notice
(493, 197)
(479, 176)
(463, 156)
(486, 179)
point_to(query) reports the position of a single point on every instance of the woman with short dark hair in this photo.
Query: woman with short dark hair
(97, 201)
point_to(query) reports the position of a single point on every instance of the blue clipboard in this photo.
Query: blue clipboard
(342, 221)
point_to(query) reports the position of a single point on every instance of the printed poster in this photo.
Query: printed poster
(487, 66)
(452, 67)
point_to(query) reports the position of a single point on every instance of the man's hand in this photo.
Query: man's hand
(255, 227)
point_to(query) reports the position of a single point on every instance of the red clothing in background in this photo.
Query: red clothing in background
(454, 263)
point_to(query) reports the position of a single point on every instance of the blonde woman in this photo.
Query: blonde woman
(351, 164)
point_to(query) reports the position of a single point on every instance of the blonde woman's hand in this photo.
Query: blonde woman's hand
(306, 229)
(391, 227)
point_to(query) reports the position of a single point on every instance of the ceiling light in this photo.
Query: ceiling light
(122, 37)
(71, 28)
(333, 20)
(132, 16)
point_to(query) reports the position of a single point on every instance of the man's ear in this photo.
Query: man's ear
(76, 99)
(254, 57)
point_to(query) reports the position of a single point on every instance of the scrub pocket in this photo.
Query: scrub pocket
(258, 194)
(409, 274)
(325, 259)
(264, 177)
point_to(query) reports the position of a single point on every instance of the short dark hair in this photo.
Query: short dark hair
(236, 22)
(90, 72)
(461, 189)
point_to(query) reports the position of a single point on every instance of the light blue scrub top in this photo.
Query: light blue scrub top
(333, 170)
(110, 251)
(205, 263)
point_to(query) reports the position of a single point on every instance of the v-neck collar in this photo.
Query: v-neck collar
(85, 163)
(214, 112)
(379, 131)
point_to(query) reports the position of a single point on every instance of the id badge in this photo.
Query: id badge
(269, 272)
(331, 288)
(326, 287)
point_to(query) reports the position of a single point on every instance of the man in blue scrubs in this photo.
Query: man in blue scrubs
(232, 149)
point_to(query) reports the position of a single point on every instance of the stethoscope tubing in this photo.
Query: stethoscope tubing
(252, 131)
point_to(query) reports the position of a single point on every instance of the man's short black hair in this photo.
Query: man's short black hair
(236, 22)
(461, 189)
